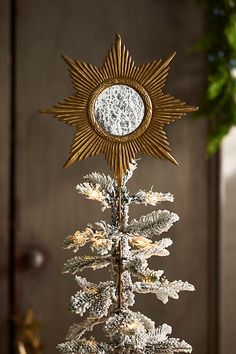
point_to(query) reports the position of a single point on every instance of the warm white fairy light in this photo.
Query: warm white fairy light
(79, 239)
(139, 241)
(154, 198)
(132, 326)
(151, 197)
(93, 193)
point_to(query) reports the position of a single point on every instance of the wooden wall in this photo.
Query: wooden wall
(44, 203)
(228, 244)
(5, 178)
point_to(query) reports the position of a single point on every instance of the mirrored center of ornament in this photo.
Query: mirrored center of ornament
(119, 109)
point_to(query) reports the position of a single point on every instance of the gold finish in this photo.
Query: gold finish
(160, 109)
(27, 333)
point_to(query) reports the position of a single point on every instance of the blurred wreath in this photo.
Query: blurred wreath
(219, 44)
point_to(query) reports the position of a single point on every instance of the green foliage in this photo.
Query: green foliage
(217, 83)
(219, 45)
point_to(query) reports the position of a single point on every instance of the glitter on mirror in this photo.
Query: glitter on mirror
(119, 109)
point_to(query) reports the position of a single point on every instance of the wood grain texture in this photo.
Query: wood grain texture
(47, 205)
(228, 244)
(5, 96)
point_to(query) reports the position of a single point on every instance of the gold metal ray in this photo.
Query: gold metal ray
(85, 144)
(167, 111)
(119, 69)
(150, 147)
(154, 74)
(158, 139)
(83, 76)
(69, 111)
(147, 147)
(118, 62)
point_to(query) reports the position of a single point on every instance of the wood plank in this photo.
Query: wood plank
(227, 244)
(214, 264)
(5, 111)
(47, 205)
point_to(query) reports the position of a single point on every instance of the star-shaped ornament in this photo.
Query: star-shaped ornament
(119, 109)
(27, 333)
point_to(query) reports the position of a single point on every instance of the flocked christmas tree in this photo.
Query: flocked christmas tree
(125, 248)
(119, 110)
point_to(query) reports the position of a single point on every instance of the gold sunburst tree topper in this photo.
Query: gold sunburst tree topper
(119, 109)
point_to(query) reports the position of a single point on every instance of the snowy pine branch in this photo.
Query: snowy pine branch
(77, 330)
(163, 289)
(99, 187)
(136, 331)
(83, 346)
(106, 183)
(129, 328)
(97, 298)
(98, 237)
(160, 343)
(150, 197)
(149, 249)
(94, 192)
(153, 224)
(170, 346)
(78, 264)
